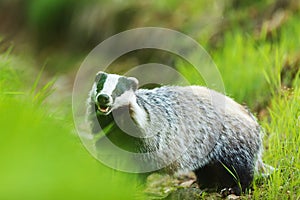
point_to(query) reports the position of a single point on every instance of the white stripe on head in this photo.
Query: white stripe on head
(110, 84)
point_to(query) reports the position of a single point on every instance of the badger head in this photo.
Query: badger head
(111, 91)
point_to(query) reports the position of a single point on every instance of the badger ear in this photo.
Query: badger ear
(135, 83)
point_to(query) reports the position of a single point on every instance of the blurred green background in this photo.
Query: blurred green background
(255, 44)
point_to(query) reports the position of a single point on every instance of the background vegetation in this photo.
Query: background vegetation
(255, 44)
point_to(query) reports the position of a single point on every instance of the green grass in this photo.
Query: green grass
(283, 147)
(241, 65)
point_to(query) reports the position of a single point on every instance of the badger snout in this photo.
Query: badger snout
(103, 99)
(104, 103)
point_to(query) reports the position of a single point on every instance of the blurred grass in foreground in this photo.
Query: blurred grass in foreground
(41, 158)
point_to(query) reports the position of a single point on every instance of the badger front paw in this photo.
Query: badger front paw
(228, 191)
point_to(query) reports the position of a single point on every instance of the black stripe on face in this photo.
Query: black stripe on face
(100, 80)
(122, 86)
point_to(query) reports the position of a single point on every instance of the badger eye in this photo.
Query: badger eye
(100, 80)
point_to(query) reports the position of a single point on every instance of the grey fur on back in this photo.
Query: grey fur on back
(190, 124)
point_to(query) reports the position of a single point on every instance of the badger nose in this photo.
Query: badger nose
(103, 99)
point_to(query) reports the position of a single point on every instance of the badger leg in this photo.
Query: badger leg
(216, 177)
(213, 177)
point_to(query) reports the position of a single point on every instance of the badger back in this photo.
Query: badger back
(189, 122)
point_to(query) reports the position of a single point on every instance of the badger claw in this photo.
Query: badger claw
(227, 191)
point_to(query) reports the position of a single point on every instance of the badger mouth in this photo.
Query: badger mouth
(104, 108)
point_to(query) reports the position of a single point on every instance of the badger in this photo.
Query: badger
(207, 132)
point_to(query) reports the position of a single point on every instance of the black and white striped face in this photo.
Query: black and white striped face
(111, 91)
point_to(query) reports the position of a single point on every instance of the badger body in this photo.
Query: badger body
(198, 129)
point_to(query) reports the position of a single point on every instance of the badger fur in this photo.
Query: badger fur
(222, 139)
